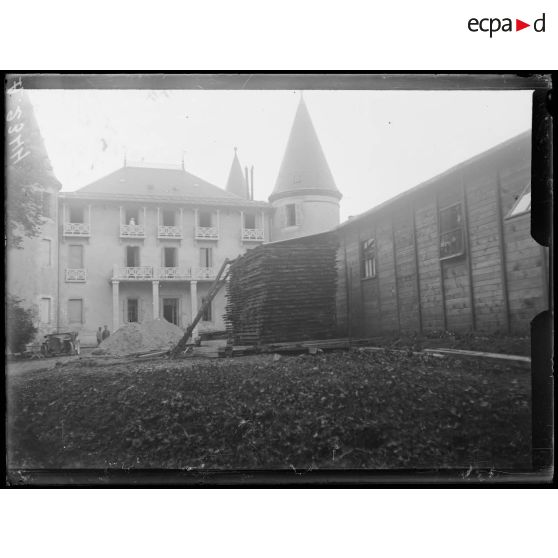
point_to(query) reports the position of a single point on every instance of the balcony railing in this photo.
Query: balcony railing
(206, 233)
(134, 273)
(179, 273)
(77, 229)
(252, 235)
(148, 273)
(132, 231)
(169, 231)
(76, 275)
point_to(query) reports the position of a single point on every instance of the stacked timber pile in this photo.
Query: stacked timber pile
(284, 291)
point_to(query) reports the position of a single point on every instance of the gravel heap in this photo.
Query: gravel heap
(136, 338)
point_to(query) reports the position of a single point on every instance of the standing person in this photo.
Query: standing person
(106, 333)
(99, 335)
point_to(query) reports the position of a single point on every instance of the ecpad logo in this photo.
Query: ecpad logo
(493, 25)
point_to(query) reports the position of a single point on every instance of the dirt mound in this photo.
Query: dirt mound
(136, 338)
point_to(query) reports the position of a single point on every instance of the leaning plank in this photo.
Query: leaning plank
(498, 356)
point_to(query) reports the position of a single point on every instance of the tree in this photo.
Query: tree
(29, 172)
(19, 325)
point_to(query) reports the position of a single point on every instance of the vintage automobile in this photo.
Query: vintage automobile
(56, 344)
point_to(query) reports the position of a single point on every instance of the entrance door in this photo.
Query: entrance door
(170, 310)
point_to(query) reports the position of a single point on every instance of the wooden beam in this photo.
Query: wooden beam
(417, 271)
(395, 276)
(468, 254)
(502, 251)
(442, 285)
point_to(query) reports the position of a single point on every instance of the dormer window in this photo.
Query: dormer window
(523, 203)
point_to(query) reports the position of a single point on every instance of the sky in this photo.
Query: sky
(377, 143)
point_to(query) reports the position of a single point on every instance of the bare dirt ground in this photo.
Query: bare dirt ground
(353, 409)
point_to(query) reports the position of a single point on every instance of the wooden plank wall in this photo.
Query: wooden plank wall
(497, 285)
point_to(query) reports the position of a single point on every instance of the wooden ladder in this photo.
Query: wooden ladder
(213, 290)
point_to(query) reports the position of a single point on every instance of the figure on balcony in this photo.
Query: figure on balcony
(132, 221)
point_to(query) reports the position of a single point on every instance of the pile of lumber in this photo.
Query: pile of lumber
(284, 291)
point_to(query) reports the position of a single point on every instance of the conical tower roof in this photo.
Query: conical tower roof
(304, 169)
(236, 184)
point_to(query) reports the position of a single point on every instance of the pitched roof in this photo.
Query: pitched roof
(236, 184)
(514, 147)
(146, 181)
(304, 168)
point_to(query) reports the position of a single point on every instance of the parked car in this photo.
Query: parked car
(56, 344)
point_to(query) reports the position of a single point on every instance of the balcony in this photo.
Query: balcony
(144, 273)
(148, 273)
(252, 235)
(169, 231)
(76, 275)
(132, 231)
(77, 229)
(177, 273)
(206, 233)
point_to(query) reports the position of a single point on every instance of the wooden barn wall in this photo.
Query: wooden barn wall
(498, 285)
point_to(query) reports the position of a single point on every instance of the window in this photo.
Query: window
(131, 217)
(291, 214)
(75, 256)
(169, 257)
(249, 221)
(451, 231)
(75, 311)
(46, 252)
(44, 310)
(46, 210)
(170, 310)
(523, 203)
(76, 214)
(169, 217)
(132, 314)
(132, 256)
(368, 258)
(206, 257)
(207, 313)
(204, 219)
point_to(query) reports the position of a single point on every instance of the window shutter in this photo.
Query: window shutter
(202, 251)
(210, 257)
(141, 310)
(123, 311)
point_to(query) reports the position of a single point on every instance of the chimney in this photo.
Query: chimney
(252, 183)
(247, 183)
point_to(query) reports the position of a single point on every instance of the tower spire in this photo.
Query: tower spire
(236, 183)
(304, 168)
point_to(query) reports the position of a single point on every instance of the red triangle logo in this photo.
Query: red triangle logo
(519, 25)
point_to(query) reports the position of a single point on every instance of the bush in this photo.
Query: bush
(20, 328)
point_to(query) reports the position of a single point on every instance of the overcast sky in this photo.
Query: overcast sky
(377, 143)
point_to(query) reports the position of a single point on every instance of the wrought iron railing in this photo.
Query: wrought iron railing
(174, 273)
(253, 235)
(169, 231)
(76, 275)
(77, 229)
(147, 273)
(134, 273)
(132, 231)
(206, 233)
